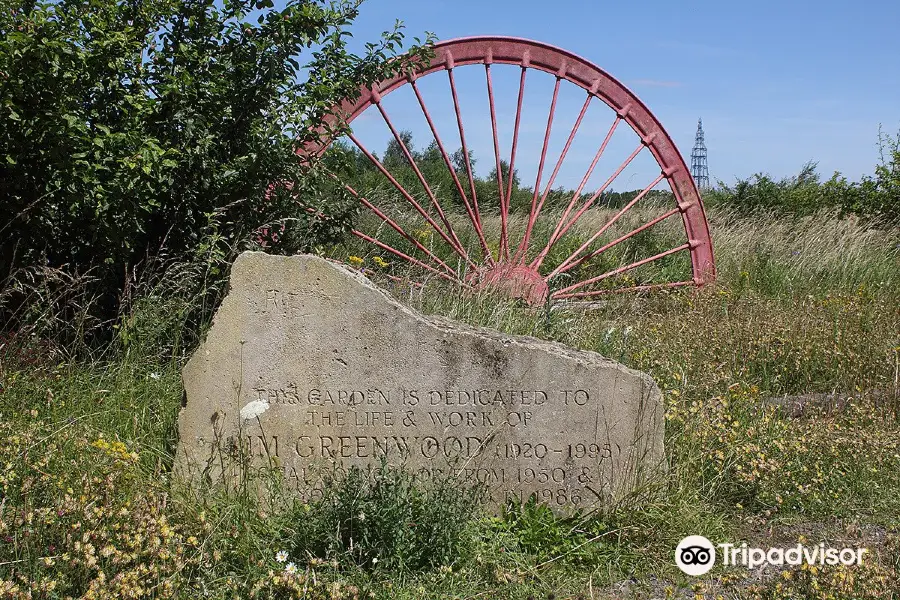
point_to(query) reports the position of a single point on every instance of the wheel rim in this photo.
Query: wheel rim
(519, 267)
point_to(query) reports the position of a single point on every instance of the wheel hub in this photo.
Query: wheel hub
(514, 280)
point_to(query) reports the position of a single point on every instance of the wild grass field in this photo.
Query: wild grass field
(782, 425)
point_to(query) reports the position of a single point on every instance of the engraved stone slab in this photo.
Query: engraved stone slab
(309, 364)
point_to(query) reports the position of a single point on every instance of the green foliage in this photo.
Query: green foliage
(125, 127)
(361, 173)
(165, 308)
(539, 532)
(388, 518)
(801, 194)
(875, 198)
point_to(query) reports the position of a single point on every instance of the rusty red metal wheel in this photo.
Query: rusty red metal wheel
(518, 266)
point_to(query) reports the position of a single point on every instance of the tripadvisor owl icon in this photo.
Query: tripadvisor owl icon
(695, 555)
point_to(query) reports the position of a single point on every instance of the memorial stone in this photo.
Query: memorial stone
(309, 366)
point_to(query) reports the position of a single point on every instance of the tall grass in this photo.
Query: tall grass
(816, 253)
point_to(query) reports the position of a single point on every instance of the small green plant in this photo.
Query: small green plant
(539, 532)
(388, 518)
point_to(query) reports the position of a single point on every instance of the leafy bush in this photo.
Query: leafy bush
(389, 518)
(126, 127)
(874, 198)
(800, 194)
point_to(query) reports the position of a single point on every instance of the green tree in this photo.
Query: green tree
(394, 156)
(126, 127)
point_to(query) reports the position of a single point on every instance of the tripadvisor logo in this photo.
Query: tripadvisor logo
(696, 555)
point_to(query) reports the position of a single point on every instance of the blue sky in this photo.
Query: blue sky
(776, 83)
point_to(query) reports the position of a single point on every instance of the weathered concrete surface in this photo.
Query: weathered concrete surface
(311, 363)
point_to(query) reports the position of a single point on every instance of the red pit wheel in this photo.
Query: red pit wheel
(517, 265)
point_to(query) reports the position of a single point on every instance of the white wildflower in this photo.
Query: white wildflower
(253, 409)
(290, 569)
(281, 556)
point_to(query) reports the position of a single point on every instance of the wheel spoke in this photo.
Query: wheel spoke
(532, 214)
(409, 198)
(532, 219)
(454, 242)
(380, 214)
(405, 257)
(459, 188)
(606, 226)
(465, 151)
(635, 288)
(515, 139)
(577, 193)
(562, 231)
(620, 270)
(565, 266)
(504, 208)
